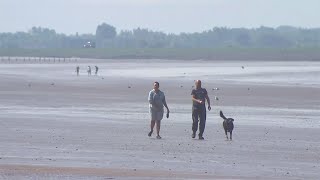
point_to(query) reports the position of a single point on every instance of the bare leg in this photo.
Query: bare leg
(158, 127)
(151, 127)
(153, 122)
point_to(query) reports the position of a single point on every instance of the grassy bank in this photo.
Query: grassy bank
(312, 54)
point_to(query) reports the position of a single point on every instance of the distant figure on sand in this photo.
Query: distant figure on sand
(97, 69)
(89, 70)
(199, 95)
(77, 70)
(156, 102)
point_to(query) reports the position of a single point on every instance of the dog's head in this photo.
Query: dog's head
(228, 124)
(230, 120)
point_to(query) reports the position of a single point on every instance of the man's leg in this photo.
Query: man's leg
(151, 127)
(202, 123)
(158, 129)
(195, 119)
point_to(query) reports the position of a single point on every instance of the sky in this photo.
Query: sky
(170, 16)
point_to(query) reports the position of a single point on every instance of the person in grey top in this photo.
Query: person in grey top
(77, 70)
(156, 102)
(89, 70)
(199, 95)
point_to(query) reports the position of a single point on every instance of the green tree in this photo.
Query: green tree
(105, 35)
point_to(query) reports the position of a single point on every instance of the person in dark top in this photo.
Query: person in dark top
(199, 95)
(97, 68)
(77, 70)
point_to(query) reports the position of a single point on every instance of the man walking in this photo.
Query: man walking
(156, 100)
(199, 95)
(77, 70)
(89, 70)
(96, 72)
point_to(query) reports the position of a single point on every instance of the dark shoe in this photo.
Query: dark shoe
(158, 137)
(149, 134)
(201, 138)
(193, 135)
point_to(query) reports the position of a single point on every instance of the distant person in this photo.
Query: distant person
(199, 95)
(156, 102)
(97, 69)
(89, 70)
(77, 70)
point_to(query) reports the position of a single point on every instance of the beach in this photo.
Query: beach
(57, 125)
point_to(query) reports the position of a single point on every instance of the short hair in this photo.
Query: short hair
(156, 82)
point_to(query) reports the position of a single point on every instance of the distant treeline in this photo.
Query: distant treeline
(229, 53)
(106, 36)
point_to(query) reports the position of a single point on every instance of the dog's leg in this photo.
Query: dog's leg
(226, 134)
(231, 135)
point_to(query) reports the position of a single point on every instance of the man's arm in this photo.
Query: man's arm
(208, 100)
(196, 100)
(151, 101)
(165, 104)
(150, 98)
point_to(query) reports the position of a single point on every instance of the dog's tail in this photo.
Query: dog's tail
(222, 116)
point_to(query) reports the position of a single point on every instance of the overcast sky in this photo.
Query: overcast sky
(171, 16)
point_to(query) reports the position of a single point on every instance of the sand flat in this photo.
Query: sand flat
(95, 127)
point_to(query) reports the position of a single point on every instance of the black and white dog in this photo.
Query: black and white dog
(227, 125)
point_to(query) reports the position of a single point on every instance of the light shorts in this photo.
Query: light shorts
(156, 115)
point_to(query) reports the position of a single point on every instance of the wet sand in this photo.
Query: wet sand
(56, 125)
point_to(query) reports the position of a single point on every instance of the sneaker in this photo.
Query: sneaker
(158, 137)
(193, 135)
(149, 134)
(201, 138)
